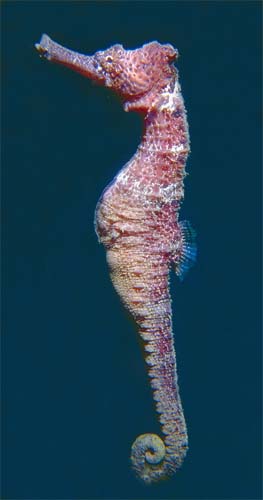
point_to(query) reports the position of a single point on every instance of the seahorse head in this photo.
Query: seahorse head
(138, 76)
(135, 75)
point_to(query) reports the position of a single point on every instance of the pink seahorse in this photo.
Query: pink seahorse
(137, 221)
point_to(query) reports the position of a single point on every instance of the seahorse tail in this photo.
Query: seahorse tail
(142, 284)
(153, 458)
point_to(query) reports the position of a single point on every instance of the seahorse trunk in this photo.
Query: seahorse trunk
(141, 279)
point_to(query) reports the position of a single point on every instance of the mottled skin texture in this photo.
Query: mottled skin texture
(137, 221)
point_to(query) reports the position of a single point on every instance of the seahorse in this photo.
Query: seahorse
(137, 220)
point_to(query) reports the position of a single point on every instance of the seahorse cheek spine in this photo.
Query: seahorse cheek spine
(137, 221)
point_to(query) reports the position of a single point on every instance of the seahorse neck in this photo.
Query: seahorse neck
(165, 124)
(161, 157)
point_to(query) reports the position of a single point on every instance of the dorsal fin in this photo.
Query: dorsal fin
(189, 249)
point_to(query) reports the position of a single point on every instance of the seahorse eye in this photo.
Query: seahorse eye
(109, 59)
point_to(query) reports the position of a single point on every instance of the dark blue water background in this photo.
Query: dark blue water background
(75, 392)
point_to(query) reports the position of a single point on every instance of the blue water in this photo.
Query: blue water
(75, 392)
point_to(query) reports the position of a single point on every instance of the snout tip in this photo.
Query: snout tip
(43, 46)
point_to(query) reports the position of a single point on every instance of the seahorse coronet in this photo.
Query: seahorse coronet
(137, 221)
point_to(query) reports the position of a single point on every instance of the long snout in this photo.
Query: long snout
(86, 65)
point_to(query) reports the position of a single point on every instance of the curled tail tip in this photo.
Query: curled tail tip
(151, 459)
(148, 457)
